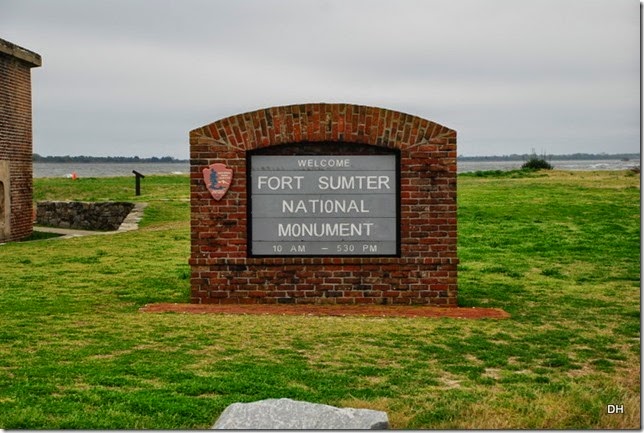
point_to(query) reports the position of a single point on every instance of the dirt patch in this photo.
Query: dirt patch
(329, 310)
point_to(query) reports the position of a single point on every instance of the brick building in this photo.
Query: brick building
(423, 269)
(16, 150)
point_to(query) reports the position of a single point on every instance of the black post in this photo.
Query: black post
(139, 176)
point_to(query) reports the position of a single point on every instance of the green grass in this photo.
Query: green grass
(559, 251)
(37, 235)
(168, 197)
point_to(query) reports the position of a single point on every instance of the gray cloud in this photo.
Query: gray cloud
(134, 76)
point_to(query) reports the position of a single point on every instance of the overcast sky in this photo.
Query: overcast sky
(133, 77)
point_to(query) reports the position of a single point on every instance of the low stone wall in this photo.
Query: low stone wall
(82, 215)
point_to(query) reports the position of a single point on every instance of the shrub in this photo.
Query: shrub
(536, 163)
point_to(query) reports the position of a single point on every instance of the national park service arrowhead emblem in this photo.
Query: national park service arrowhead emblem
(218, 178)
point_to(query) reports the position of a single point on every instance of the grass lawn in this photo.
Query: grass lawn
(560, 251)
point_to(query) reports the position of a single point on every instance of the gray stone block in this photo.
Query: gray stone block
(287, 414)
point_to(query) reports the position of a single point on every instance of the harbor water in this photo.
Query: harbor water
(83, 170)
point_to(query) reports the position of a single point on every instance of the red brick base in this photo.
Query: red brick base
(425, 273)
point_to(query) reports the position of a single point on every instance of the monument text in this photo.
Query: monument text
(324, 205)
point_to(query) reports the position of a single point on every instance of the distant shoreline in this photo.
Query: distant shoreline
(567, 157)
(82, 159)
(170, 160)
(108, 169)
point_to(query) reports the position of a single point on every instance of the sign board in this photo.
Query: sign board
(324, 205)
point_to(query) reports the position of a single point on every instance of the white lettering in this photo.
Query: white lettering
(324, 163)
(319, 206)
(320, 230)
(283, 231)
(279, 182)
(353, 182)
(287, 206)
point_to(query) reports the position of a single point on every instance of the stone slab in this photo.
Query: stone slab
(287, 414)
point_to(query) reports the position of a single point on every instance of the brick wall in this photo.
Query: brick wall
(16, 137)
(425, 273)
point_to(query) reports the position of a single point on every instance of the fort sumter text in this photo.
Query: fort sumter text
(318, 205)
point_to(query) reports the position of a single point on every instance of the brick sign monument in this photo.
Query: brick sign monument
(323, 203)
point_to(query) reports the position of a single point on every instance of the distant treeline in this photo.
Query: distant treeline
(168, 159)
(108, 159)
(570, 157)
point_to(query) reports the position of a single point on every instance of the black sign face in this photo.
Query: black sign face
(324, 205)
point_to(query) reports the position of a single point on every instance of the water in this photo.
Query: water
(65, 169)
(577, 165)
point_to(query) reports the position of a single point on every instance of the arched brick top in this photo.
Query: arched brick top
(321, 122)
(424, 271)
